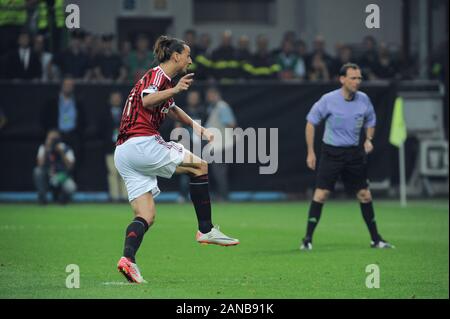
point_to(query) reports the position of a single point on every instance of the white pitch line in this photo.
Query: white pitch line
(116, 283)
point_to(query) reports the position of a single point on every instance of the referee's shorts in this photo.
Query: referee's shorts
(347, 163)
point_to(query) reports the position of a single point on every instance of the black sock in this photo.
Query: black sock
(134, 235)
(315, 210)
(369, 217)
(199, 190)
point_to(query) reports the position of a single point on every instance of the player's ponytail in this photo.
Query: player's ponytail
(165, 46)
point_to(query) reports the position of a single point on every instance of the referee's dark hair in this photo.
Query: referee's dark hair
(165, 46)
(346, 66)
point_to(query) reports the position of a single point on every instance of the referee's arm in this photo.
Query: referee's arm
(368, 146)
(317, 113)
(311, 157)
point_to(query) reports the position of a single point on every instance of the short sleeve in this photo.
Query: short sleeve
(150, 90)
(370, 119)
(318, 112)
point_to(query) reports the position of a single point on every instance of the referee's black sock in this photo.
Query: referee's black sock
(315, 210)
(369, 217)
(199, 191)
(134, 235)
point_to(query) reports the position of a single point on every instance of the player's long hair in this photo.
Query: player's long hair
(165, 46)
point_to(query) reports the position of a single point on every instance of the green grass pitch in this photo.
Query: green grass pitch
(37, 243)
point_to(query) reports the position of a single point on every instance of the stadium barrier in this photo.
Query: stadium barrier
(256, 104)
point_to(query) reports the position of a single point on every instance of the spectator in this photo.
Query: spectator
(108, 64)
(48, 70)
(287, 59)
(55, 161)
(290, 36)
(13, 18)
(220, 117)
(73, 61)
(65, 113)
(287, 36)
(262, 65)
(51, 22)
(125, 51)
(243, 54)
(319, 69)
(319, 48)
(116, 186)
(139, 60)
(344, 56)
(204, 45)
(243, 50)
(301, 67)
(195, 110)
(226, 66)
(190, 37)
(203, 58)
(92, 47)
(369, 58)
(23, 63)
(386, 68)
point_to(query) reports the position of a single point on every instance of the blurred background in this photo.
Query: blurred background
(269, 60)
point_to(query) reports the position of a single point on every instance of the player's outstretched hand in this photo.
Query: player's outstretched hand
(311, 161)
(184, 83)
(208, 135)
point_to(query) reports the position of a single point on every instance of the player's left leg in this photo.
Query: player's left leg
(197, 169)
(144, 211)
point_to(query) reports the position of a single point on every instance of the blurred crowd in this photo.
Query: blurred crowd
(35, 45)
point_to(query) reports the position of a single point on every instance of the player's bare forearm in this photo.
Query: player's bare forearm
(309, 133)
(177, 114)
(152, 100)
(155, 99)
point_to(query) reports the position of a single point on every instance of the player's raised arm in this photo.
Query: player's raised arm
(154, 98)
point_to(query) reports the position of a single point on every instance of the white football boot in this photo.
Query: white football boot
(216, 237)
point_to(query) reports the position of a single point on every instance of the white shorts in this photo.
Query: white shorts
(140, 159)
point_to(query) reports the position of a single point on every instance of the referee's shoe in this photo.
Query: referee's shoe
(306, 244)
(381, 243)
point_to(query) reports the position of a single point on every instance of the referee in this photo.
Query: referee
(345, 112)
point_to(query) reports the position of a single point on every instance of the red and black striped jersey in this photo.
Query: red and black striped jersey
(138, 120)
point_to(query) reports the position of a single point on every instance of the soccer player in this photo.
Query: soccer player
(141, 153)
(345, 112)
